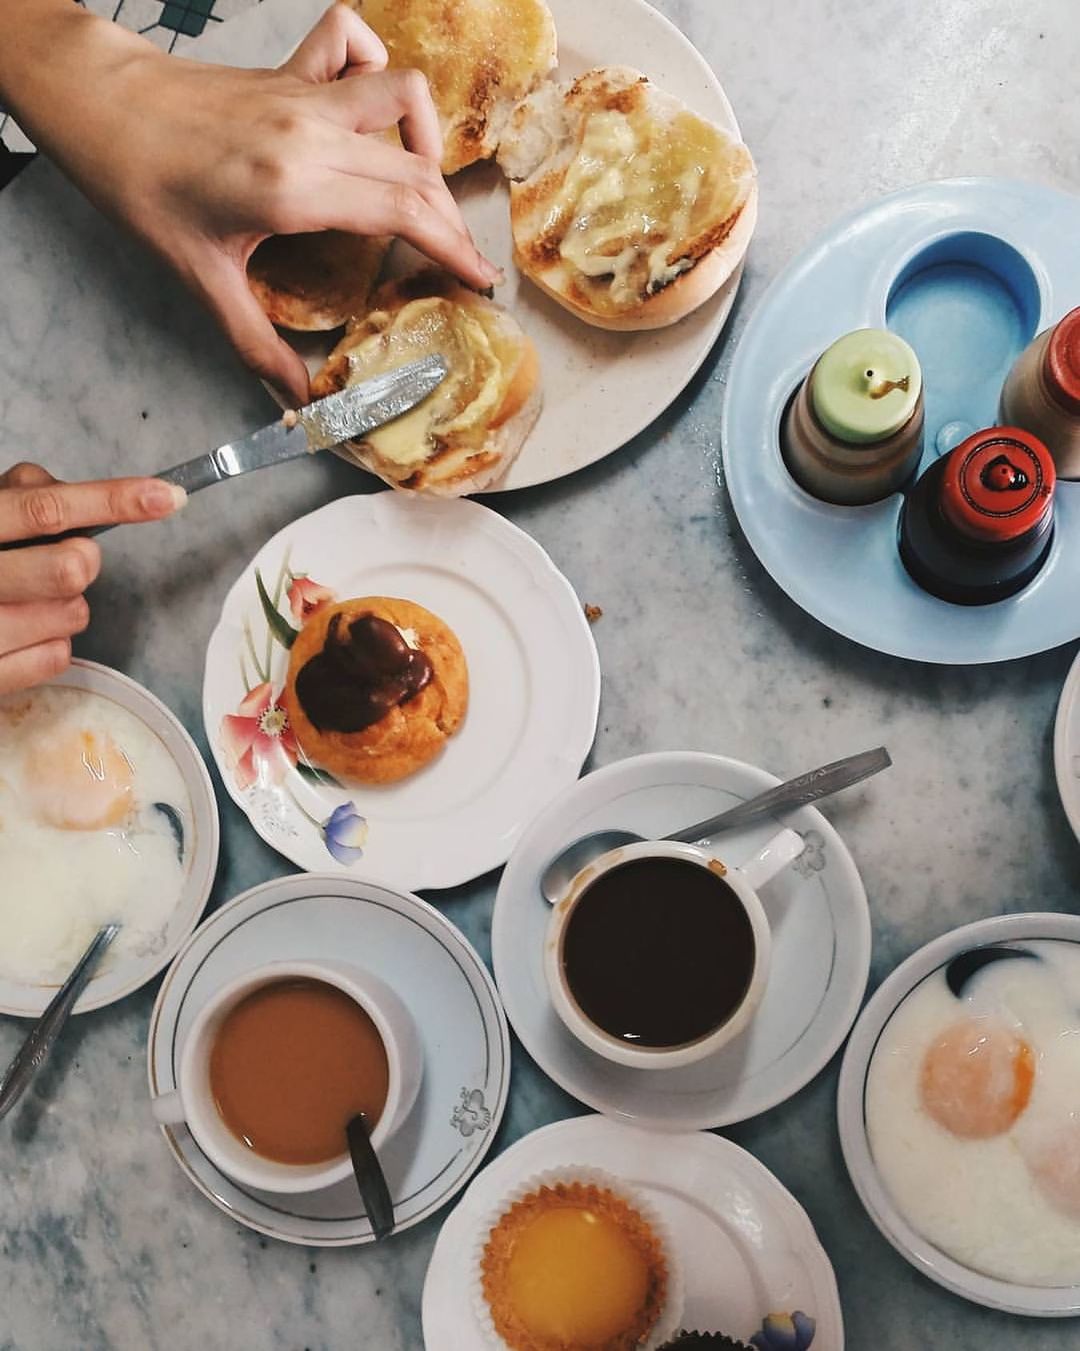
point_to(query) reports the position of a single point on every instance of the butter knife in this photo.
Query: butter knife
(320, 425)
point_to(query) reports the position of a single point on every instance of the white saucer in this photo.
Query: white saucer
(534, 685)
(821, 946)
(1040, 1301)
(746, 1246)
(1067, 746)
(120, 975)
(452, 1000)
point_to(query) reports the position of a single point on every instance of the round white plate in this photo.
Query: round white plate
(820, 961)
(746, 1246)
(599, 388)
(121, 975)
(534, 685)
(447, 990)
(1057, 1302)
(1067, 746)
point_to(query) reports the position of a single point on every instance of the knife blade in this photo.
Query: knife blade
(318, 426)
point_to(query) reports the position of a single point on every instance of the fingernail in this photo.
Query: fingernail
(163, 497)
(493, 274)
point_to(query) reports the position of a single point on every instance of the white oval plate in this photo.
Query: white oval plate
(820, 961)
(122, 975)
(534, 685)
(746, 1246)
(599, 388)
(1057, 1302)
(449, 993)
(1067, 746)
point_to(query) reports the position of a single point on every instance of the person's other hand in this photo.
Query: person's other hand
(204, 162)
(42, 582)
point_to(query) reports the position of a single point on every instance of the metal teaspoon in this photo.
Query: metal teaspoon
(808, 787)
(31, 1054)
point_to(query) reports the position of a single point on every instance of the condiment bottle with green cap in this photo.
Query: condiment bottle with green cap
(979, 523)
(1042, 393)
(853, 433)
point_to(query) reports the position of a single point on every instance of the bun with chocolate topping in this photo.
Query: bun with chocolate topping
(375, 687)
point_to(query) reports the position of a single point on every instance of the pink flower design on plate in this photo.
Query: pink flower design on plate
(307, 597)
(257, 740)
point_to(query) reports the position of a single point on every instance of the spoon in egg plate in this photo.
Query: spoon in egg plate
(31, 1054)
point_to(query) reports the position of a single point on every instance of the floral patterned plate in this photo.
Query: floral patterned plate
(752, 1265)
(820, 945)
(534, 689)
(452, 999)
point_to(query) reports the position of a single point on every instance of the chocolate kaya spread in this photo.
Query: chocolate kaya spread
(364, 670)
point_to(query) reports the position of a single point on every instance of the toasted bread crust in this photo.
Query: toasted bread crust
(312, 283)
(480, 58)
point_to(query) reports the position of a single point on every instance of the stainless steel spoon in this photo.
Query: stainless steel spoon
(809, 787)
(370, 1178)
(31, 1054)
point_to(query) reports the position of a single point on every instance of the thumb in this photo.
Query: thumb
(224, 289)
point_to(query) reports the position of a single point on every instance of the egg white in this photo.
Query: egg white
(59, 886)
(976, 1200)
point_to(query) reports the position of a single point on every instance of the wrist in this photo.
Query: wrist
(57, 63)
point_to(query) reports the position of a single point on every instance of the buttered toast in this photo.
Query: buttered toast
(626, 207)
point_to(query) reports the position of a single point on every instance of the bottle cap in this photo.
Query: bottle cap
(1062, 362)
(866, 386)
(997, 485)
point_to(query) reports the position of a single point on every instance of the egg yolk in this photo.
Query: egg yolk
(1054, 1164)
(79, 780)
(576, 1279)
(977, 1079)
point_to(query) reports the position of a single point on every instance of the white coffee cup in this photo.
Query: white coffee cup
(192, 1101)
(743, 882)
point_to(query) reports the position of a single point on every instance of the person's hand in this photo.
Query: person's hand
(204, 162)
(42, 583)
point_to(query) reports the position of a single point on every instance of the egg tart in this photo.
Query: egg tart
(573, 1266)
(375, 687)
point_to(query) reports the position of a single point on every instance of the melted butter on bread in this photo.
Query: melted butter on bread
(465, 401)
(627, 205)
(469, 429)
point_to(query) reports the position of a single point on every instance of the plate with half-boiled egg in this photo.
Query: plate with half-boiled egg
(107, 815)
(959, 1112)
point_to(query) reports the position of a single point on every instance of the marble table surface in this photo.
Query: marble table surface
(106, 367)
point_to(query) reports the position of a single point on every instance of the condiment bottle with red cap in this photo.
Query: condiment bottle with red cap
(1042, 393)
(978, 525)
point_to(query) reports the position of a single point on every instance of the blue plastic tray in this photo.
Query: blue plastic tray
(968, 271)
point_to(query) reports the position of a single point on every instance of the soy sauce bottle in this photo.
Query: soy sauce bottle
(1042, 393)
(977, 526)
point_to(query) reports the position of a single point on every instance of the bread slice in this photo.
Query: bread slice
(481, 57)
(465, 434)
(626, 207)
(312, 283)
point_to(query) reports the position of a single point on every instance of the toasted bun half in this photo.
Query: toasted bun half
(312, 283)
(626, 207)
(465, 434)
(480, 58)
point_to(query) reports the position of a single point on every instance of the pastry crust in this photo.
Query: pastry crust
(412, 733)
(495, 1263)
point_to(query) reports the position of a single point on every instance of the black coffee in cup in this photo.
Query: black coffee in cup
(658, 952)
